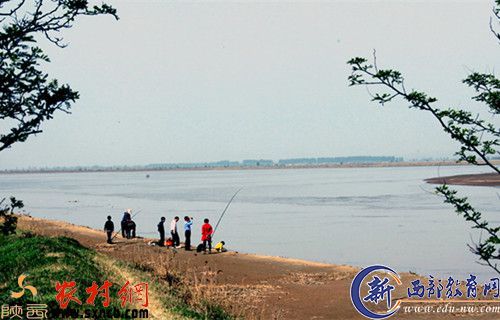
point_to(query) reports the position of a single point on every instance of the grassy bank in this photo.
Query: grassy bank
(47, 260)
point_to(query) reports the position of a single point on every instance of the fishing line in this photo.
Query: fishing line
(225, 209)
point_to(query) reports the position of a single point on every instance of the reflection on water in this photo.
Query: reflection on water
(356, 216)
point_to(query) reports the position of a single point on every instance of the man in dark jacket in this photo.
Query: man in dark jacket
(161, 230)
(130, 229)
(109, 227)
(126, 217)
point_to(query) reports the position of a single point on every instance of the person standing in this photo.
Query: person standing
(109, 227)
(126, 217)
(173, 232)
(188, 222)
(206, 235)
(161, 230)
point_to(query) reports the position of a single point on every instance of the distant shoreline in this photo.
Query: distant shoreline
(238, 168)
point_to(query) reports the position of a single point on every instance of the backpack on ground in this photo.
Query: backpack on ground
(200, 248)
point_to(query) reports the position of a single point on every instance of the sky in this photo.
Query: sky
(176, 81)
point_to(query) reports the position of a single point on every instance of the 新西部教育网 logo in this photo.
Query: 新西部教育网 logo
(380, 289)
(372, 288)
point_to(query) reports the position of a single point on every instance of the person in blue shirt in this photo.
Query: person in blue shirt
(188, 222)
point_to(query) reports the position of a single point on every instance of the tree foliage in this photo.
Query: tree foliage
(478, 138)
(7, 213)
(28, 96)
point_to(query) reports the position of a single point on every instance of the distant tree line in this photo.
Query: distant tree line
(222, 164)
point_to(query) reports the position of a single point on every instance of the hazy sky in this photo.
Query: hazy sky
(185, 82)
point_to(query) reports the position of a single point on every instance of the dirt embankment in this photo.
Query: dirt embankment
(484, 180)
(251, 286)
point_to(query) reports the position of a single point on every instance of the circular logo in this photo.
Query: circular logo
(379, 290)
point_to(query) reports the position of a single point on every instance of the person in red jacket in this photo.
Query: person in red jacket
(206, 235)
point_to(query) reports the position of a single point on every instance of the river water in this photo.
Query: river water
(355, 216)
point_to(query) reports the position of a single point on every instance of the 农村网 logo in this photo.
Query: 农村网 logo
(66, 293)
(20, 282)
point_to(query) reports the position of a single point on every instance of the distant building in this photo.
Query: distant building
(339, 160)
(298, 161)
(359, 159)
(257, 163)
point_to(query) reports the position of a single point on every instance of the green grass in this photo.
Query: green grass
(48, 259)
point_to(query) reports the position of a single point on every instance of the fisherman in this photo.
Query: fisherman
(161, 230)
(126, 217)
(206, 235)
(173, 232)
(109, 227)
(219, 247)
(130, 229)
(188, 222)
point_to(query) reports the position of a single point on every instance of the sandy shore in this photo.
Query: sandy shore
(256, 287)
(485, 180)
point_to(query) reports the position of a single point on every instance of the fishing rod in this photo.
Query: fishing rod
(117, 233)
(225, 209)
